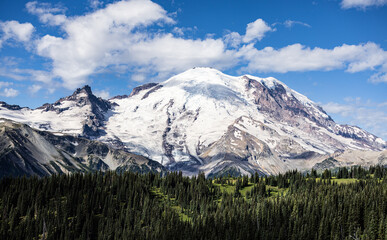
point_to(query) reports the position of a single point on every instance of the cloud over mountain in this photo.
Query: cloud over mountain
(140, 42)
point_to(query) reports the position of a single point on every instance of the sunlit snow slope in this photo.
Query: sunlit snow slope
(204, 120)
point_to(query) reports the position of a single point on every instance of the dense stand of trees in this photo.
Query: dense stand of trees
(133, 206)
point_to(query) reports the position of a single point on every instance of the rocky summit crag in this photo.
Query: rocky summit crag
(204, 120)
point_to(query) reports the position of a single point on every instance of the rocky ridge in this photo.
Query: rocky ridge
(27, 151)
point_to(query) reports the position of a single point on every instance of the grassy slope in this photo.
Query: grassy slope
(341, 180)
(163, 198)
(230, 188)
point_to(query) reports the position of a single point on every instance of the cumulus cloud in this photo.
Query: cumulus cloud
(117, 35)
(167, 53)
(95, 3)
(297, 57)
(9, 92)
(101, 38)
(21, 32)
(5, 91)
(378, 77)
(102, 94)
(47, 14)
(256, 31)
(34, 88)
(233, 39)
(362, 3)
(366, 114)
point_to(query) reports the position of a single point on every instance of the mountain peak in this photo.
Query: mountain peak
(8, 106)
(199, 74)
(203, 69)
(204, 81)
(85, 90)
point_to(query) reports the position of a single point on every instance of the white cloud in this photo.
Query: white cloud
(117, 35)
(296, 57)
(368, 115)
(336, 108)
(9, 92)
(138, 77)
(362, 3)
(21, 32)
(178, 31)
(378, 77)
(95, 3)
(34, 88)
(9, 73)
(181, 31)
(47, 14)
(233, 39)
(20, 74)
(5, 84)
(39, 75)
(167, 53)
(100, 39)
(291, 23)
(256, 31)
(102, 94)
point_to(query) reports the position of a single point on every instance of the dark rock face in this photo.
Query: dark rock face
(119, 97)
(281, 105)
(10, 107)
(151, 91)
(277, 102)
(168, 148)
(326, 164)
(142, 87)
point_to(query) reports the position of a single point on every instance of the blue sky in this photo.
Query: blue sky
(334, 52)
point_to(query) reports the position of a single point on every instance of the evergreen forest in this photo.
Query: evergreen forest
(350, 203)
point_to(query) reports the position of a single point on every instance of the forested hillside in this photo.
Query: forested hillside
(347, 204)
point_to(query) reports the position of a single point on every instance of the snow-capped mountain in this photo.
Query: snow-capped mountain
(204, 120)
(26, 151)
(82, 113)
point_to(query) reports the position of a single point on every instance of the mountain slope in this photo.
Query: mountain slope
(26, 151)
(82, 113)
(204, 120)
(192, 122)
